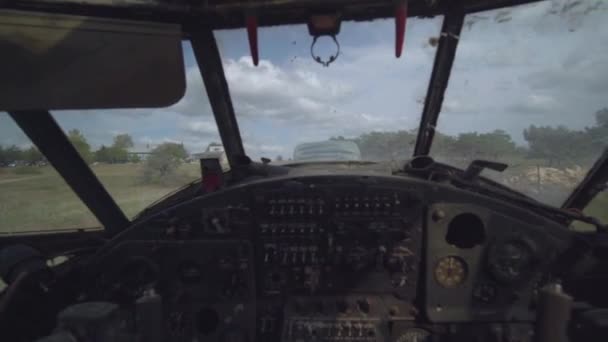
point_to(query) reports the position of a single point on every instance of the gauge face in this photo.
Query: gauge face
(511, 261)
(450, 271)
(133, 277)
(415, 335)
(485, 293)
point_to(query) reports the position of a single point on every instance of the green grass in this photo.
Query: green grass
(37, 198)
(599, 207)
(41, 200)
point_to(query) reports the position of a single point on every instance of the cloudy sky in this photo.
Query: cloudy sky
(543, 64)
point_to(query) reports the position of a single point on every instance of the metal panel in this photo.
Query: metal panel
(72, 62)
(224, 14)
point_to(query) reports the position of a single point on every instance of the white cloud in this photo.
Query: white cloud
(544, 65)
(200, 128)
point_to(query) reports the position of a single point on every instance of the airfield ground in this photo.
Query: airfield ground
(37, 198)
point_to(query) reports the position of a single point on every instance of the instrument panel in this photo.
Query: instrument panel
(352, 258)
(312, 244)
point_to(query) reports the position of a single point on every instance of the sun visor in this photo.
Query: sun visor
(50, 61)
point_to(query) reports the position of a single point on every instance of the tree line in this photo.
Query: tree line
(160, 165)
(556, 146)
(118, 152)
(14, 154)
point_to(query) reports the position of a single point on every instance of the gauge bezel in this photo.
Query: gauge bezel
(461, 262)
(493, 254)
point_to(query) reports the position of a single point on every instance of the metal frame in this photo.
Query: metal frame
(227, 14)
(52, 142)
(594, 182)
(444, 59)
(210, 66)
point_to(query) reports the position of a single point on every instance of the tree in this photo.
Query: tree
(382, 146)
(279, 158)
(601, 117)
(120, 149)
(123, 141)
(117, 153)
(11, 154)
(81, 145)
(598, 134)
(102, 155)
(33, 156)
(134, 158)
(496, 144)
(164, 161)
(559, 145)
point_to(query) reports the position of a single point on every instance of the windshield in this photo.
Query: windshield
(139, 155)
(598, 207)
(528, 88)
(33, 196)
(364, 106)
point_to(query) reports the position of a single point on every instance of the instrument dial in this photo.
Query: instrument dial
(512, 260)
(450, 271)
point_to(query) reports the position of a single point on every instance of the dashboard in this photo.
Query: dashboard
(353, 257)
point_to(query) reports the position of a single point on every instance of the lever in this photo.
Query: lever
(477, 166)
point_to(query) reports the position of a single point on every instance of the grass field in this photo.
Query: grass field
(37, 198)
(599, 207)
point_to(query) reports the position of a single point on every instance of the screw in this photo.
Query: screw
(438, 214)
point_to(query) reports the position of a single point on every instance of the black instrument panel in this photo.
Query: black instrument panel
(355, 258)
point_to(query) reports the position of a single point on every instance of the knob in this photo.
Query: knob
(363, 305)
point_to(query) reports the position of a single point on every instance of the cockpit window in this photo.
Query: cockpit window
(598, 207)
(366, 96)
(528, 88)
(33, 196)
(141, 155)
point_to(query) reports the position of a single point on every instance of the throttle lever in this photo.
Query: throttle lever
(477, 166)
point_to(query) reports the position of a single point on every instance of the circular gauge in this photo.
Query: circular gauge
(415, 335)
(484, 293)
(512, 260)
(450, 271)
(132, 278)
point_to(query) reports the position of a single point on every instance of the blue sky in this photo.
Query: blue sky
(534, 64)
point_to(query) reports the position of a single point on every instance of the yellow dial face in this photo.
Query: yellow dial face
(450, 271)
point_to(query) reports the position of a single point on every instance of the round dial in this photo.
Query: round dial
(132, 278)
(450, 271)
(415, 335)
(511, 261)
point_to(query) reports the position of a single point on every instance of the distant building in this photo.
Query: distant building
(331, 150)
